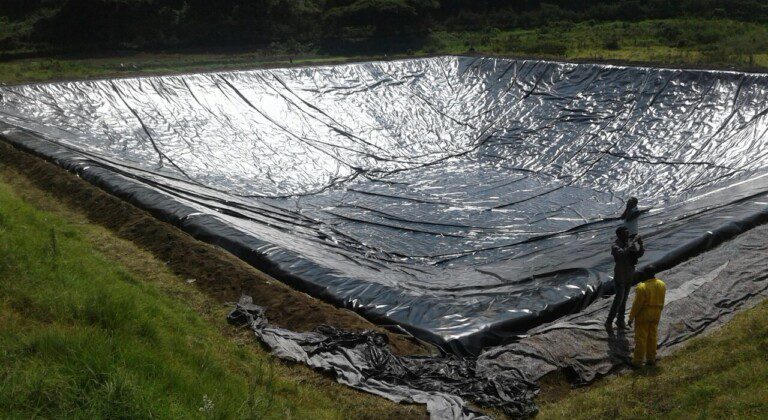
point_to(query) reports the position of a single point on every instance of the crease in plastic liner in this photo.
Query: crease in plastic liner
(467, 200)
(703, 293)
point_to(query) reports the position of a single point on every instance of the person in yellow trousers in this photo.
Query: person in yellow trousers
(646, 310)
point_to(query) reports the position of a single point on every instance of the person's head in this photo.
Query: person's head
(622, 233)
(648, 272)
(632, 202)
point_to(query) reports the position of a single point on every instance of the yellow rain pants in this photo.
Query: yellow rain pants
(645, 313)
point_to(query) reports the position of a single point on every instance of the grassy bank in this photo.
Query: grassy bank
(91, 326)
(722, 375)
(132, 64)
(718, 43)
(694, 42)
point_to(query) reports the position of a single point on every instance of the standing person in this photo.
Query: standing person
(625, 253)
(646, 309)
(630, 216)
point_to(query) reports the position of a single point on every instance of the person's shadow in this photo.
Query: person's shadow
(621, 355)
(618, 347)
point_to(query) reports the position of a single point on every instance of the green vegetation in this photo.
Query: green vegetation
(336, 27)
(82, 336)
(49, 39)
(48, 69)
(683, 42)
(722, 375)
(666, 42)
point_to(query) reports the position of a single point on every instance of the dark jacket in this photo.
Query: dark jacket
(625, 256)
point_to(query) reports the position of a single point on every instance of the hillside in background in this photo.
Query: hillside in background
(350, 26)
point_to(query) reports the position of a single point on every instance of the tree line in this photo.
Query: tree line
(76, 25)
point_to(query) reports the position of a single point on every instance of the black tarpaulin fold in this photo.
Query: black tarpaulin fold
(464, 199)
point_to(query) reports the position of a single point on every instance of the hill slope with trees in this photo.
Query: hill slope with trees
(54, 26)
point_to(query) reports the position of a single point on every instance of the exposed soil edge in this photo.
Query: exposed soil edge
(218, 273)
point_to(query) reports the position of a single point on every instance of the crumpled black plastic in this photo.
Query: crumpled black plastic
(364, 361)
(466, 200)
(702, 293)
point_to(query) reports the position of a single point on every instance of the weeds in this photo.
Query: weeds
(723, 375)
(81, 337)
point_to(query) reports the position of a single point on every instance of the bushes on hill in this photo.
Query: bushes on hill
(63, 25)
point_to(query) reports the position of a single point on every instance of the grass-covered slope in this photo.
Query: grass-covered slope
(663, 42)
(93, 327)
(721, 375)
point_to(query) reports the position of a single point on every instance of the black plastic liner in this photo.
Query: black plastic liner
(466, 200)
(364, 361)
(702, 293)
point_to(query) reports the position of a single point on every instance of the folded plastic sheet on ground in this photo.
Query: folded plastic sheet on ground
(702, 293)
(363, 360)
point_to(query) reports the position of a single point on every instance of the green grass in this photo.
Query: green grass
(82, 337)
(47, 69)
(672, 41)
(722, 375)
(679, 42)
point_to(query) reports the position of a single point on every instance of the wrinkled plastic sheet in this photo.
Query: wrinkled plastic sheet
(702, 293)
(466, 200)
(364, 361)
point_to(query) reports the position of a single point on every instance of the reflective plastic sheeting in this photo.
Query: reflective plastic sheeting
(465, 199)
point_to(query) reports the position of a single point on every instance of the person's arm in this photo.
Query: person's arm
(637, 304)
(619, 252)
(632, 214)
(624, 214)
(639, 249)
